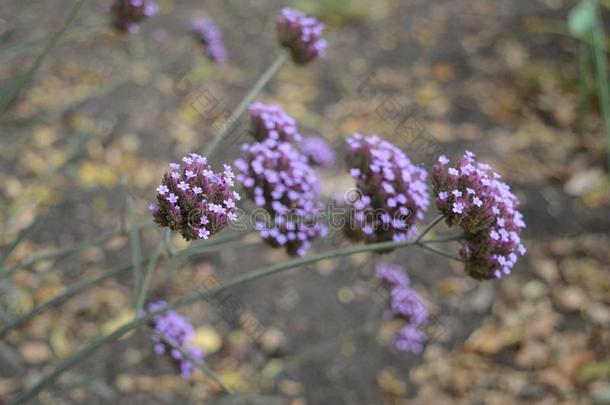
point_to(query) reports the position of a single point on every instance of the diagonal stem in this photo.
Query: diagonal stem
(429, 227)
(439, 252)
(74, 248)
(143, 288)
(197, 295)
(454, 238)
(248, 98)
(198, 363)
(12, 93)
(136, 249)
(81, 286)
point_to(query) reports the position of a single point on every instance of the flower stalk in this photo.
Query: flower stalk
(246, 101)
(197, 295)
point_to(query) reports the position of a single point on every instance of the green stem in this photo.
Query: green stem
(439, 252)
(7, 99)
(198, 363)
(249, 97)
(76, 288)
(429, 227)
(76, 247)
(136, 250)
(93, 25)
(446, 239)
(24, 234)
(141, 293)
(71, 291)
(167, 242)
(196, 296)
(601, 69)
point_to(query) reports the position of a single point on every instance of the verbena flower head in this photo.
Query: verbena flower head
(127, 14)
(278, 178)
(174, 328)
(318, 151)
(394, 194)
(405, 304)
(194, 200)
(474, 198)
(301, 34)
(270, 121)
(210, 36)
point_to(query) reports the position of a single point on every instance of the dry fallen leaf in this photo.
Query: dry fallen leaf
(34, 352)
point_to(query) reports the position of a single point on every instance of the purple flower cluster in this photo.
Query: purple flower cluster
(174, 328)
(318, 151)
(301, 34)
(405, 304)
(393, 192)
(210, 36)
(194, 200)
(278, 178)
(270, 121)
(127, 14)
(472, 197)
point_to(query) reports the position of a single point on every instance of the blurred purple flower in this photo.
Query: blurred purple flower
(194, 200)
(410, 339)
(472, 197)
(392, 274)
(301, 34)
(405, 304)
(175, 329)
(394, 194)
(270, 121)
(318, 151)
(127, 14)
(278, 178)
(208, 33)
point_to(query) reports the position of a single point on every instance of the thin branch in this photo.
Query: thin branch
(167, 242)
(198, 363)
(211, 245)
(69, 292)
(194, 296)
(453, 238)
(136, 249)
(248, 98)
(141, 293)
(23, 235)
(440, 252)
(74, 248)
(429, 227)
(12, 93)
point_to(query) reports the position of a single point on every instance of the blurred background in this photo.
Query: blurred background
(518, 82)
